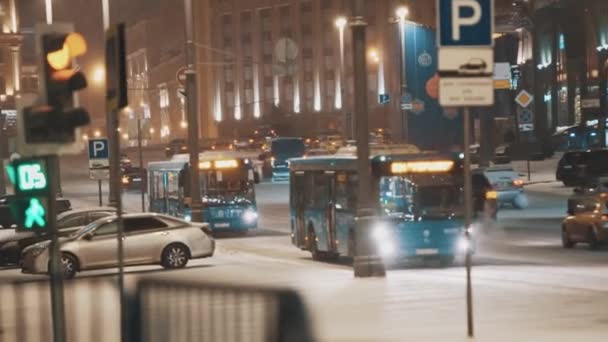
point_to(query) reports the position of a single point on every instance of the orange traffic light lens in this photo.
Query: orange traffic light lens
(76, 43)
(74, 46)
(59, 59)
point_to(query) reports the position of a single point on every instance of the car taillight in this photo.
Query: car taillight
(491, 195)
(206, 229)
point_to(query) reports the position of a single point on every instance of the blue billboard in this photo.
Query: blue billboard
(429, 126)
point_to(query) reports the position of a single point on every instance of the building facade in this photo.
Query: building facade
(10, 59)
(289, 63)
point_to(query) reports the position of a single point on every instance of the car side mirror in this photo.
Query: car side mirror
(88, 236)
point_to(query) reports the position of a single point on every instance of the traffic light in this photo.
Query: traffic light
(30, 207)
(54, 118)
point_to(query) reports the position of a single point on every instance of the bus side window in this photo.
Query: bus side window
(342, 191)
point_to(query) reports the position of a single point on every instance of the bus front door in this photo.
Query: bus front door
(299, 188)
(332, 235)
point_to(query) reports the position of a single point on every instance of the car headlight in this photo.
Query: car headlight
(250, 216)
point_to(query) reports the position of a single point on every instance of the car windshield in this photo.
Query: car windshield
(443, 198)
(399, 196)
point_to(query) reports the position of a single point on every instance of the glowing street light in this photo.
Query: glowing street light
(374, 55)
(97, 133)
(99, 75)
(402, 12)
(341, 22)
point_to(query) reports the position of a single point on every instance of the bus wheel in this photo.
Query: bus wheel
(312, 245)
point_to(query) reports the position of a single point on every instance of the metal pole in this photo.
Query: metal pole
(141, 165)
(117, 198)
(196, 205)
(3, 149)
(403, 81)
(366, 263)
(56, 272)
(468, 214)
(100, 196)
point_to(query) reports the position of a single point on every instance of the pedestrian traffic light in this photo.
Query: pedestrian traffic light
(54, 118)
(30, 207)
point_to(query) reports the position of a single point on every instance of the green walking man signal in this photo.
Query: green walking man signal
(30, 206)
(35, 214)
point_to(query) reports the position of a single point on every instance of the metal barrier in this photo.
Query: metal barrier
(170, 311)
(158, 311)
(92, 309)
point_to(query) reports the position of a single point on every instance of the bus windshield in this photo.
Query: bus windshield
(218, 186)
(399, 196)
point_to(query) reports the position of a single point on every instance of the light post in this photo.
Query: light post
(401, 14)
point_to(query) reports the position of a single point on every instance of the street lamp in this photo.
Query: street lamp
(402, 13)
(374, 55)
(341, 23)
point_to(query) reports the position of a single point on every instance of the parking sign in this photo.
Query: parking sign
(99, 159)
(465, 23)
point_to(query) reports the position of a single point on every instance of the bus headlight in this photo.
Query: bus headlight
(464, 245)
(250, 216)
(380, 232)
(188, 217)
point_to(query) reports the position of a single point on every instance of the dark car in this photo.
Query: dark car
(485, 197)
(176, 146)
(6, 217)
(577, 168)
(68, 222)
(133, 178)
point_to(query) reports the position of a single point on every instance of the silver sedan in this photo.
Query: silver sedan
(148, 239)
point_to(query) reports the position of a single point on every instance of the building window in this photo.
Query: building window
(165, 120)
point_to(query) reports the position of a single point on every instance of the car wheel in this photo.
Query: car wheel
(566, 241)
(592, 239)
(175, 256)
(69, 265)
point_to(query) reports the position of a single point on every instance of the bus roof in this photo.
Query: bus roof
(218, 155)
(381, 149)
(348, 162)
(167, 165)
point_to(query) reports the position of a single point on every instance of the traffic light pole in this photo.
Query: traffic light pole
(196, 204)
(56, 272)
(366, 262)
(468, 214)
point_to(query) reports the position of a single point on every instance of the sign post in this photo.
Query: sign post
(466, 63)
(99, 162)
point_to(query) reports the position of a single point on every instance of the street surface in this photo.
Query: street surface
(526, 287)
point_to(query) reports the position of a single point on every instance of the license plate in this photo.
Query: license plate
(427, 251)
(137, 179)
(221, 225)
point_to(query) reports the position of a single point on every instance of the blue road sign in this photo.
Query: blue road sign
(465, 23)
(99, 149)
(384, 99)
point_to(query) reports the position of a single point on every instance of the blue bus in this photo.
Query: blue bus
(418, 200)
(281, 150)
(227, 189)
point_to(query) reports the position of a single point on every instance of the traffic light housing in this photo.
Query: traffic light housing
(31, 205)
(53, 119)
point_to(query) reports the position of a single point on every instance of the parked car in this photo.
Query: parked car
(587, 221)
(508, 186)
(579, 167)
(149, 239)
(68, 222)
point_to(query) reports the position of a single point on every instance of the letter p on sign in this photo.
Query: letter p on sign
(458, 22)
